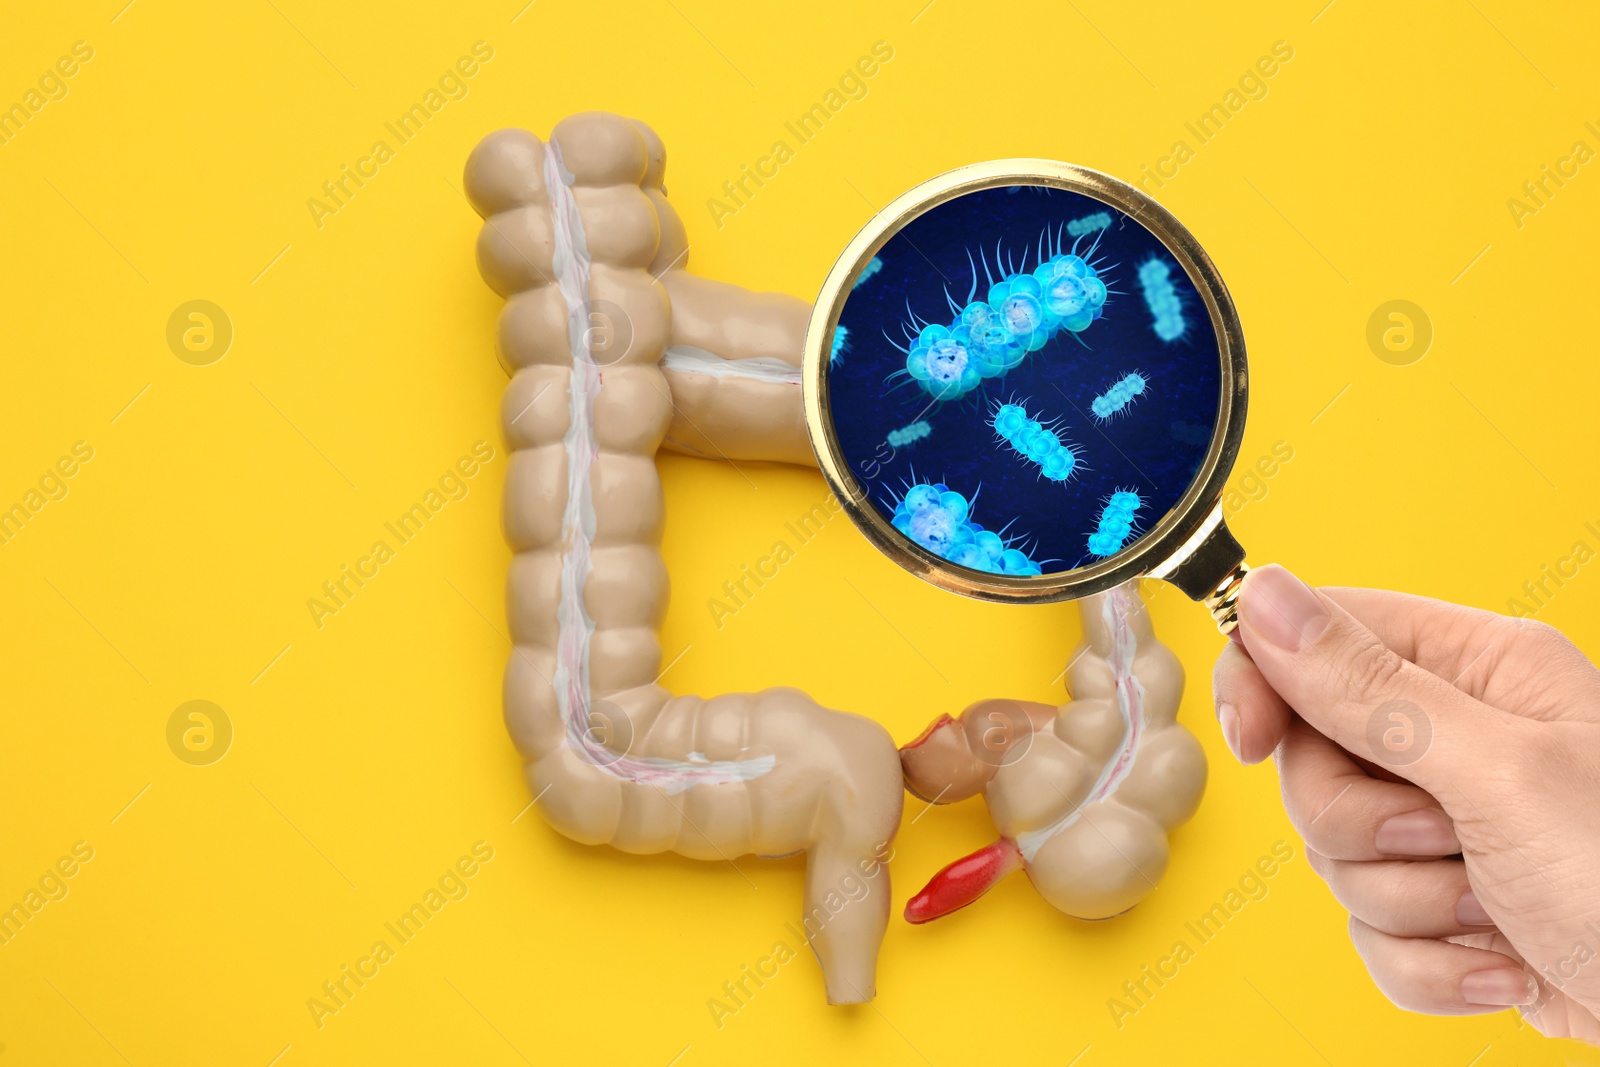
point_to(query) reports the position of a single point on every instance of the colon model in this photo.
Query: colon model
(614, 352)
(1083, 795)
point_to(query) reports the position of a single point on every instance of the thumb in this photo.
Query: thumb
(1343, 680)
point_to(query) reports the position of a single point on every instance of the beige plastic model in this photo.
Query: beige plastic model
(615, 351)
(1083, 795)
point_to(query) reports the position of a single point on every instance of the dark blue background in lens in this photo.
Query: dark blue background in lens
(1154, 447)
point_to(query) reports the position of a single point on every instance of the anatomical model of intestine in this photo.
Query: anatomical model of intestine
(614, 352)
(1083, 795)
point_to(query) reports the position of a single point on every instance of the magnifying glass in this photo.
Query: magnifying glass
(1025, 381)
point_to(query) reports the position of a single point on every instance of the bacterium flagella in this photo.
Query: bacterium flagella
(1117, 399)
(1116, 524)
(1166, 310)
(935, 517)
(1028, 376)
(1038, 443)
(1023, 311)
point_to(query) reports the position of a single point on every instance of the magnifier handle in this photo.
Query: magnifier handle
(1224, 600)
(1213, 574)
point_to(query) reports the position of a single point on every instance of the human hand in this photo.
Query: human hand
(1443, 766)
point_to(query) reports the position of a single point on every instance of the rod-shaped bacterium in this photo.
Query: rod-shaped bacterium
(1035, 442)
(874, 265)
(1022, 311)
(1161, 297)
(1116, 524)
(1100, 220)
(908, 435)
(1118, 397)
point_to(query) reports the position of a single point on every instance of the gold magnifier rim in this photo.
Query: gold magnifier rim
(1178, 532)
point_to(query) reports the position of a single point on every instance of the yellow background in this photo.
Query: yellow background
(369, 754)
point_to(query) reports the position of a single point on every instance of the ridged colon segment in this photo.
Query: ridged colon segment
(1083, 795)
(580, 240)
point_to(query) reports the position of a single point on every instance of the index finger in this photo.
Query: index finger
(1349, 684)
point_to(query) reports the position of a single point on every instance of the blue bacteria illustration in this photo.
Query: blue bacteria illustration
(938, 518)
(990, 343)
(1038, 443)
(1100, 220)
(1116, 524)
(1118, 398)
(1022, 311)
(908, 435)
(874, 265)
(1161, 297)
(841, 342)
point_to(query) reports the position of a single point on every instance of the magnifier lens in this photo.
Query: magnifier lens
(1023, 381)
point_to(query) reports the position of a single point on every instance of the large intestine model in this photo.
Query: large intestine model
(615, 351)
(1083, 795)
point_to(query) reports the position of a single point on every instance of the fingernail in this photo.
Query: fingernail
(1500, 988)
(1282, 608)
(1417, 833)
(1228, 716)
(1470, 913)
